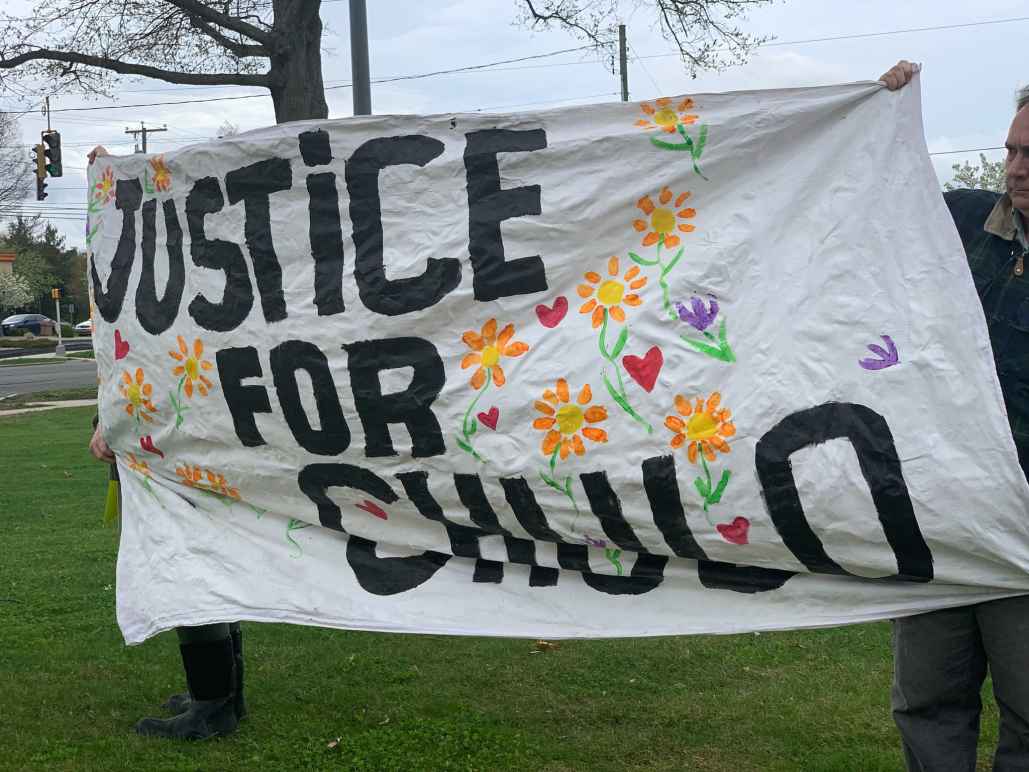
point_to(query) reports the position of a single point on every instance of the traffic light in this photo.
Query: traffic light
(52, 140)
(39, 154)
(40, 157)
(55, 293)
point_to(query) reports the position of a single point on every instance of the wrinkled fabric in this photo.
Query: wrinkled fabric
(706, 364)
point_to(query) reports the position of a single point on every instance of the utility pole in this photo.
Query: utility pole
(359, 73)
(144, 131)
(623, 67)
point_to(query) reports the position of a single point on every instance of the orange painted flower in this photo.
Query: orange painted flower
(563, 421)
(104, 189)
(137, 465)
(706, 426)
(662, 218)
(139, 395)
(162, 174)
(487, 349)
(190, 475)
(191, 366)
(611, 292)
(216, 483)
(195, 476)
(661, 115)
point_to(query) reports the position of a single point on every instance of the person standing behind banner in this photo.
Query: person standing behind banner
(212, 655)
(941, 658)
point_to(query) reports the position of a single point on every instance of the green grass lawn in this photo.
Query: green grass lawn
(81, 354)
(53, 395)
(71, 690)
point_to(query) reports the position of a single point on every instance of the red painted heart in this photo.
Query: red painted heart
(147, 443)
(490, 417)
(644, 370)
(373, 509)
(551, 317)
(121, 347)
(736, 531)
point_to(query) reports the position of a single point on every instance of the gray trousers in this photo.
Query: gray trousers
(940, 663)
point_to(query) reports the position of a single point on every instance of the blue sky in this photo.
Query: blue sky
(969, 78)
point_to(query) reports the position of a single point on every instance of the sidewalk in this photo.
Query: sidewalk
(46, 406)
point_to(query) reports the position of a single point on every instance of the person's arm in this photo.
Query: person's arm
(99, 448)
(899, 75)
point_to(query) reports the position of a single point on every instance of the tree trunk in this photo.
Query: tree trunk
(298, 91)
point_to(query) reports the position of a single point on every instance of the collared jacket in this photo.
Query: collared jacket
(999, 260)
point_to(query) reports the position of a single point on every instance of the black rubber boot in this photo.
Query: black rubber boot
(179, 703)
(210, 674)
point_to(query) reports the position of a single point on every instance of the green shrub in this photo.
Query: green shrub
(67, 331)
(17, 341)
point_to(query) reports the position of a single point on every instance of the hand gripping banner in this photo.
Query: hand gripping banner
(709, 363)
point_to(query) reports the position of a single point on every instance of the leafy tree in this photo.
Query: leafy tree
(14, 292)
(988, 175)
(34, 270)
(85, 45)
(44, 262)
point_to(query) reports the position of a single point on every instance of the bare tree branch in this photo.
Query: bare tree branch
(239, 49)
(201, 11)
(704, 31)
(127, 68)
(14, 164)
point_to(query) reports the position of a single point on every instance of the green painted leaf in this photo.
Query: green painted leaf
(688, 147)
(473, 427)
(641, 261)
(623, 337)
(670, 265)
(720, 488)
(464, 446)
(722, 352)
(702, 487)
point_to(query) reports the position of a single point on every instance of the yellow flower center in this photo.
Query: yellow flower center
(665, 117)
(192, 368)
(490, 356)
(610, 292)
(701, 426)
(570, 419)
(133, 394)
(663, 220)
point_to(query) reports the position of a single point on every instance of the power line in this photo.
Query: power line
(493, 66)
(391, 79)
(969, 150)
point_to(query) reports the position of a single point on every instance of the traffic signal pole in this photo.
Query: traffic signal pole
(55, 293)
(360, 76)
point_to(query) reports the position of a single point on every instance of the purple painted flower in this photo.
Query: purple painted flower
(590, 541)
(698, 317)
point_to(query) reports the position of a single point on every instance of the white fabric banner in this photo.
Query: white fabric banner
(701, 364)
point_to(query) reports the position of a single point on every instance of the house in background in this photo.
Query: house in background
(6, 261)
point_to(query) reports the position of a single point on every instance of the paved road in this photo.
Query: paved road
(60, 375)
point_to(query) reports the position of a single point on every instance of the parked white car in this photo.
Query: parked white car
(84, 328)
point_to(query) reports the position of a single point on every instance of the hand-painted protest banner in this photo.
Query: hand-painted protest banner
(699, 364)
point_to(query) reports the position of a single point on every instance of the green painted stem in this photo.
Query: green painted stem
(707, 498)
(465, 443)
(612, 555)
(619, 395)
